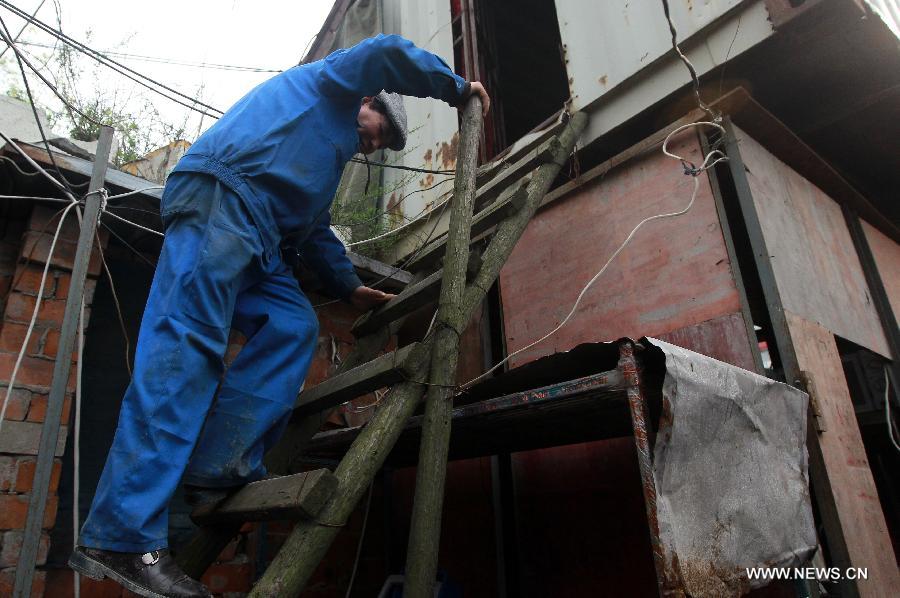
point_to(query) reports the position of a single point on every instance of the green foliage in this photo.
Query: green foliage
(87, 103)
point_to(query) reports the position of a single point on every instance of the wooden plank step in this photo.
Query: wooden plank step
(412, 298)
(513, 172)
(301, 495)
(524, 145)
(509, 203)
(369, 270)
(372, 375)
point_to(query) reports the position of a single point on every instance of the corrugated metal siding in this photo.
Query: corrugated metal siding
(611, 42)
(608, 42)
(432, 125)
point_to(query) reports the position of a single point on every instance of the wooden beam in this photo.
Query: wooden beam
(509, 203)
(410, 299)
(425, 530)
(301, 495)
(62, 369)
(370, 270)
(378, 373)
(513, 173)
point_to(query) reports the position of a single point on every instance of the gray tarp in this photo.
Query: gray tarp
(730, 467)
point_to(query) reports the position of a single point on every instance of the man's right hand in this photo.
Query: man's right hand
(475, 87)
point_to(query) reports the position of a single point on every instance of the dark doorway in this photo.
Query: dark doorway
(514, 47)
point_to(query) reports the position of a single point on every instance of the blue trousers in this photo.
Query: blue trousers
(217, 270)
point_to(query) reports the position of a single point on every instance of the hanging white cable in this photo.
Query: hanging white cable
(32, 197)
(887, 410)
(135, 192)
(34, 315)
(40, 169)
(693, 171)
(76, 444)
(134, 224)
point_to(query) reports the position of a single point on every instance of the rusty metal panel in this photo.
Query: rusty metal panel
(855, 495)
(730, 473)
(674, 274)
(887, 258)
(817, 270)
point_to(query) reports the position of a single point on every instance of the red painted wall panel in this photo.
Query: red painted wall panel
(674, 273)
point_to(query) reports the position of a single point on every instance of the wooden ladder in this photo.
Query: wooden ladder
(491, 207)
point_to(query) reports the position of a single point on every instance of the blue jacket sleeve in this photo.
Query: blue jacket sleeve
(325, 254)
(394, 64)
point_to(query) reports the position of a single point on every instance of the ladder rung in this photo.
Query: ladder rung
(412, 298)
(372, 375)
(509, 203)
(301, 495)
(512, 173)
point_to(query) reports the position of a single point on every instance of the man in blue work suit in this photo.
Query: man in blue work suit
(267, 169)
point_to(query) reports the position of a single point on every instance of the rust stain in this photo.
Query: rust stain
(392, 202)
(711, 580)
(447, 152)
(603, 80)
(428, 156)
(428, 181)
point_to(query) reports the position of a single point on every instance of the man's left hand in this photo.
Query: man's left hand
(365, 298)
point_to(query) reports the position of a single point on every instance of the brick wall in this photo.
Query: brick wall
(19, 285)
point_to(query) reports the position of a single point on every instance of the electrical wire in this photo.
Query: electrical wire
(4, 33)
(24, 27)
(134, 224)
(128, 245)
(48, 199)
(135, 192)
(887, 409)
(123, 70)
(711, 159)
(398, 166)
(40, 170)
(359, 545)
(694, 79)
(34, 315)
(21, 58)
(171, 61)
(115, 296)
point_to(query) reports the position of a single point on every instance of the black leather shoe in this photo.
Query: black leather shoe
(154, 574)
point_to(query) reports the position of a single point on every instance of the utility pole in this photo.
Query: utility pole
(61, 370)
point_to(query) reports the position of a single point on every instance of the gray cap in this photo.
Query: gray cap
(396, 115)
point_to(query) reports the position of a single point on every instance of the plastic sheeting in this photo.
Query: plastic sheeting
(730, 468)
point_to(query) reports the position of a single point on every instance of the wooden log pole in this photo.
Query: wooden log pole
(309, 541)
(62, 369)
(425, 530)
(209, 541)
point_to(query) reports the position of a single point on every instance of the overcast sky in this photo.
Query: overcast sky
(253, 33)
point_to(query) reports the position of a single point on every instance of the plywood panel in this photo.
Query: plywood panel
(723, 338)
(675, 273)
(887, 257)
(816, 267)
(855, 495)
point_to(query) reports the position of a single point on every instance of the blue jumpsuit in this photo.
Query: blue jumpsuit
(267, 169)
